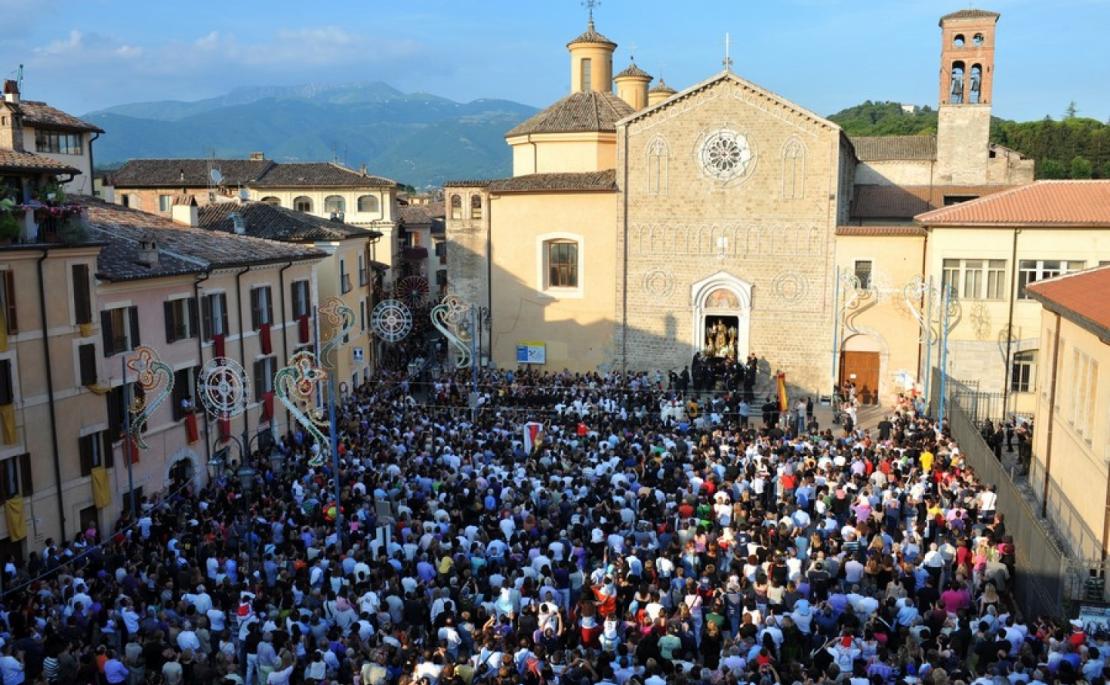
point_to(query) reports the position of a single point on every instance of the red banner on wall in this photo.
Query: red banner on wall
(264, 338)
(191, 432)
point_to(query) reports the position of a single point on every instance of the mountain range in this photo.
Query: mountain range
(414, 138)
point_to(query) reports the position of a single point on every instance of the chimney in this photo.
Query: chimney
(258, 156)
(362, 169)
(184, 211)
(148, 253)
(11, 91)
(237, 223)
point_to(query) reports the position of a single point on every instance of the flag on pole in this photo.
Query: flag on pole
(533, 436)
(784, 403)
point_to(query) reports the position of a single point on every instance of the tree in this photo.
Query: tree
(1105, 172)
(1081, 167)
(1051, 168)
(1071, 110)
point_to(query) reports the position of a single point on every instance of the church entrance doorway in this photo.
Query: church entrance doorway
(862, 370)
(722, 317)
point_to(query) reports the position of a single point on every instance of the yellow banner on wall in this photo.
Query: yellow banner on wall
(17, 523)
(102, 496)
(7, 424)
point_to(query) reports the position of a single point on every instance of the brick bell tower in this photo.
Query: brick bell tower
(966, 81)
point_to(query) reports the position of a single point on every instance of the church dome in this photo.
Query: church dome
(662, 87)
(591, 36)
(633, 71)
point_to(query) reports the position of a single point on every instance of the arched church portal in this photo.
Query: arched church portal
(722, 316)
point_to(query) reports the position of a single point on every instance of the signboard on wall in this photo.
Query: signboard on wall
(358, 354)
(531, 352)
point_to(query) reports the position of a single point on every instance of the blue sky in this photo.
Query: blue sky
(823, 54)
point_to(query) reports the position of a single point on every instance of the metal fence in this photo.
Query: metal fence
(981, 405)
(1050, 578)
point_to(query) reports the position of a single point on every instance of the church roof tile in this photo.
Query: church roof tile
(577, 113)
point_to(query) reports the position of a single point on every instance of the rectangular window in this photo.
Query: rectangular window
(58, 143)
(1021, 371)
(863, 273)
(15, 477)
(363, 275)
(95, 450)
(125, 200)
(165, 203)
(214, 315)
(441, 251)
(262, 310)
(1084, 392)
(184, 392)
(996, 279)
(82, 301)
(973, 279)
(587, 76)
(120, 328)
(950, 200)
(562, 265)
(344, 278)
(264, 370)
(86, 355)
(951, 275)
(181, 318)
(1033, 270)
(7, 307)
(7, 386)
(299, 294)
(362, 316)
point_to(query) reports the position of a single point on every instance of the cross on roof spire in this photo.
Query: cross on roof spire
(590, 5)
(727, 61)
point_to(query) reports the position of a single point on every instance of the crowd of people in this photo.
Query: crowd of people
(644, 538)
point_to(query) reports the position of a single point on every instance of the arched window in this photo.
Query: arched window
(793, 169)
(368, 203)
(977, 39)
(956, 92)
(271, 200)
(958, 41)
(456, 207)
(302, 203)
(562, 264)
(475, 206)
(335, 204)
(975, 83)
(657, 159)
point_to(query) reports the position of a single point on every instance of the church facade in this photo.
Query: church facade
(648, 225)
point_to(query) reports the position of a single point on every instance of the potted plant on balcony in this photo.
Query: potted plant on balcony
(9, 224)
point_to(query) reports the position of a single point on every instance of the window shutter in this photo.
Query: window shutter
(207, 332)
(107, 456)
(223, 315)
(259, 372)
(7, 394)
(268, 310)
(106, 331)
(9, 301)
(25, 482)
(82, 303)
(5, 485)
(134, 313)
(193, 327)
(87, 356)
(167, 310)
(85, 448)
(256, 314)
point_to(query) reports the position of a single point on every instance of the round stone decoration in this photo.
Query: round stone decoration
(789, 286)
(658, 283)
(391, 320)
(725, 155)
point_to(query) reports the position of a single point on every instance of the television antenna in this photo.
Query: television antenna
(216, 175)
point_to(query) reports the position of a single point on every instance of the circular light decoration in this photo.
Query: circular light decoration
(222, 385)
(391, 320)
(412, 289)
(725, 155)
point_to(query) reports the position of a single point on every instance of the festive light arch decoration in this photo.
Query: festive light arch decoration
(413, 290)
(150, 371)
(450, 317)
(222, 386)
(342, 318)
(296, 385)
(391, 320)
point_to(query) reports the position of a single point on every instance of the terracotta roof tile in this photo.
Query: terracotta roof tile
(662, 87)
(1044, 203)
(12, 160)
(577, 112)
(890, 230)
(633, 70)
(182, 250)
(1082, 297)
(189, 173)
(970, 14)
(41, 115)
(591, 36)
(317, 174)
(263, 220)
(880, 148)
(558, 182)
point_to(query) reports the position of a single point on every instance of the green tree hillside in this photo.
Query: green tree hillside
(1075, 147)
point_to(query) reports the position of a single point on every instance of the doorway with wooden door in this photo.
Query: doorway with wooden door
(861, 369)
